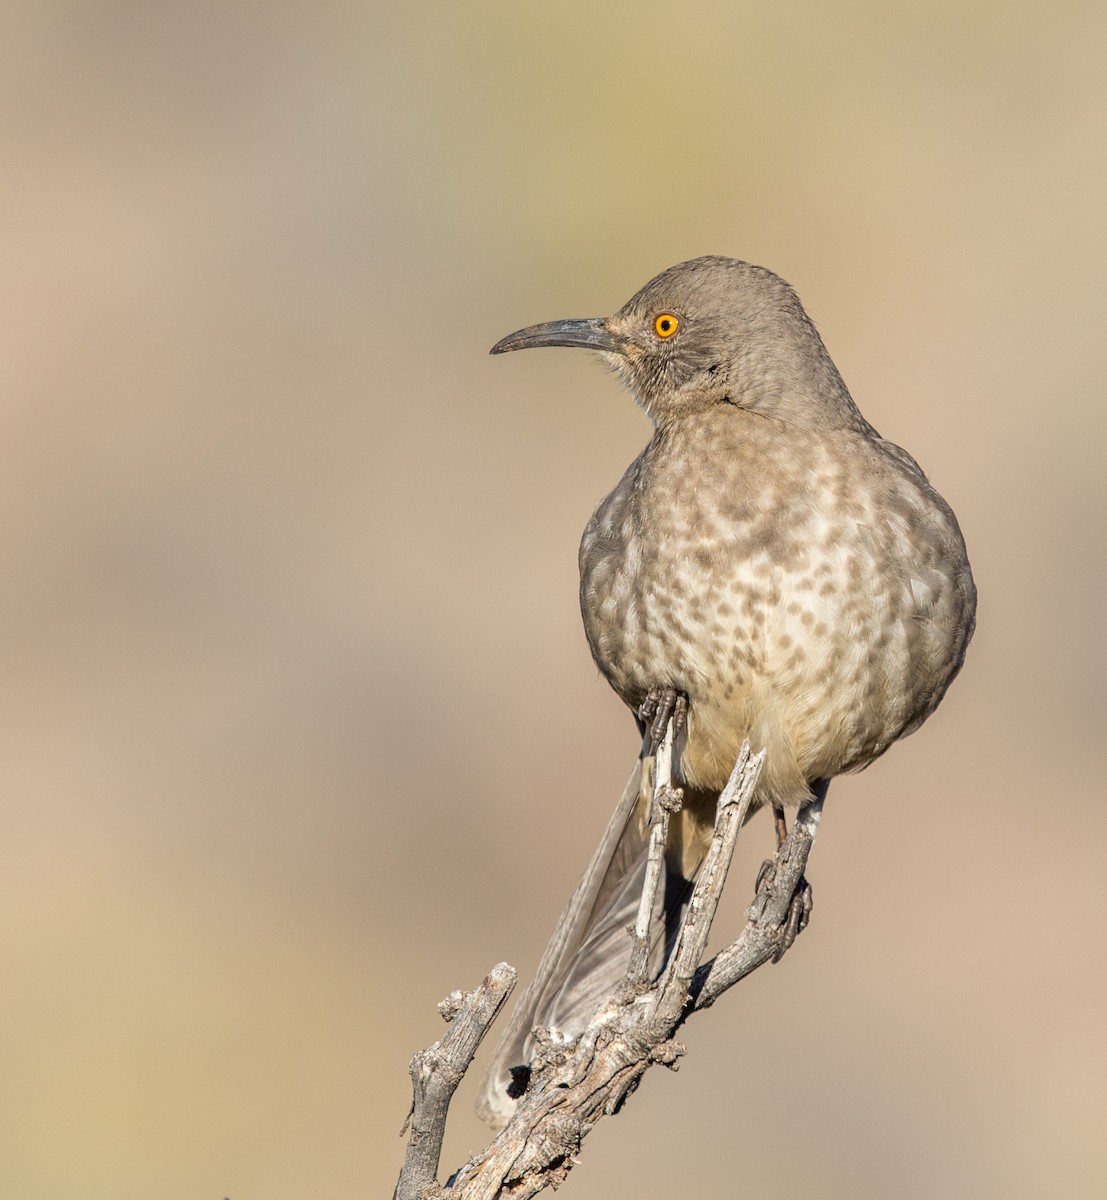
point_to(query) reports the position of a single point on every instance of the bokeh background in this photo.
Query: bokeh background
(299, 728)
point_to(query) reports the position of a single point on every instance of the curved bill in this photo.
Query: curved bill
(591, 333)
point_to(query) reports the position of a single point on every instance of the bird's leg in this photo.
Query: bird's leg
(768, 867)
(780, 824)
(660, 705)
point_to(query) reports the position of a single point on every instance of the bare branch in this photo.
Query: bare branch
(762, 939)
(734, 803)
(572, 1086)
(666, 801)
(436, 1072)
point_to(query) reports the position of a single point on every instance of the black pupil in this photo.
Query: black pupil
(665, 324)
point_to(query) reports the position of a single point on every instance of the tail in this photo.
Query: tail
(589, 952)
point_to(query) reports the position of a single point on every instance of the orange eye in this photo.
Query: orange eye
(665, 325)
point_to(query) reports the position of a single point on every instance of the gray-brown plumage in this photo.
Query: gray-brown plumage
(769, 556)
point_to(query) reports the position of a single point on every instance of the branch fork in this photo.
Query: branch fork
(573, 1085)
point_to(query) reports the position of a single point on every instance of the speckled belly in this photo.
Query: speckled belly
(821, 641)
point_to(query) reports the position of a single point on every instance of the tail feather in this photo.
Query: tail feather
(590, 949)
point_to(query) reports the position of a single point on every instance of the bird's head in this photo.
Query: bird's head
(707, 332)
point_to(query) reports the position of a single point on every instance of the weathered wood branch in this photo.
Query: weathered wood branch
(764, 937)
(572, 1086)
(666, 801)
(436, 1072)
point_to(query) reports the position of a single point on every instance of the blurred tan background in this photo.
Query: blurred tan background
(299, 727)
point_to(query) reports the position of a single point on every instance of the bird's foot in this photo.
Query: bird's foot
(659, 706)
(799, 907)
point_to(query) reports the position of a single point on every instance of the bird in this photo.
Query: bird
(768, 569)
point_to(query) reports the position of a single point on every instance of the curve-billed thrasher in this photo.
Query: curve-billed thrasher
(770, 559)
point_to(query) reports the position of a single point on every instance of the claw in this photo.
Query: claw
(764, 876)
(661, 705)
(803, 900)
(799, 913)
